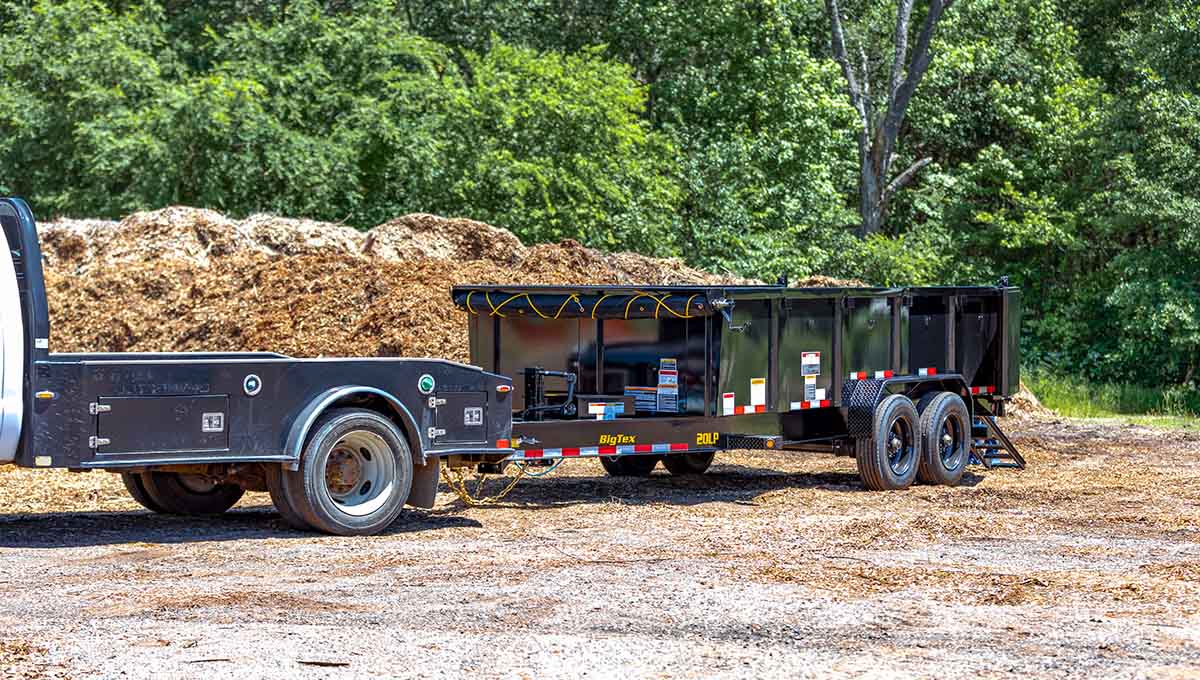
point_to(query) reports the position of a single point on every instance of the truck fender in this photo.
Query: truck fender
(298, 433)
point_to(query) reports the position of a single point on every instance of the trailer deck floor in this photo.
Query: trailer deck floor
(773, 565)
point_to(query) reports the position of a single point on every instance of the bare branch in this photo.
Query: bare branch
(900, 56)
(916, 70)
(905, 178)
(839, 55)
(868, 103)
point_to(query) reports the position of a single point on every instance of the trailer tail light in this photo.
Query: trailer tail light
(990, 389)
(923, 372)
(504, 389)
(503, 444)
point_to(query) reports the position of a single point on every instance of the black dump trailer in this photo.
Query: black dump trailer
(909, 381)
(341, 444)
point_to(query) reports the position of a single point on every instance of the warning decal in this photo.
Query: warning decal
(810, 363)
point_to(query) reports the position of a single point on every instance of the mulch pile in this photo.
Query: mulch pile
(182, 279)
(187, 279)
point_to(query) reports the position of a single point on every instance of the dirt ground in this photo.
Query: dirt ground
(772, 565)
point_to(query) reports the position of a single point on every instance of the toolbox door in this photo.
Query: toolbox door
(461, 417)
(194, 423)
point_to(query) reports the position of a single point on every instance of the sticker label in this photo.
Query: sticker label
(810, 363)
(212, 422)
(810, 387)
(727, 405)
(668, 385)
(644, 398)
(758, 391)
(473, 416)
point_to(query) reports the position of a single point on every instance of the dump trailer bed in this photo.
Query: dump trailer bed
(683, 371)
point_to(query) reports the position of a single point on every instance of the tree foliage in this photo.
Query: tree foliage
(1064, 137)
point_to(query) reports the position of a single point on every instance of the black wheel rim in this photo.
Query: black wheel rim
(901, 450)
(950, 441)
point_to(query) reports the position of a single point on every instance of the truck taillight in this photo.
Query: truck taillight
(504, 389)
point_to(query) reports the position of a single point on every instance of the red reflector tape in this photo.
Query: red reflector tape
(882, 375)
(927, 371)
(990, 389)
(679, 447)
(608, 450)
(570, 452)
(858, 375)
(532, 453)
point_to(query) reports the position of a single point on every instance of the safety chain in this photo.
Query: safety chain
(458, 484)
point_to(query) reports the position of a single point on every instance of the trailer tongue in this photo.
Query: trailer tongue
(907, 380)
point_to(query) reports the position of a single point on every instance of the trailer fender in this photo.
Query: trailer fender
(861, 397)
(298, 433)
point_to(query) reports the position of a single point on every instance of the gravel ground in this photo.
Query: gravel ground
(772, 565)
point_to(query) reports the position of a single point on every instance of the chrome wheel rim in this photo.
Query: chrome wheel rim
(360, 473)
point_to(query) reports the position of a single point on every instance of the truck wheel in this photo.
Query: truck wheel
(274, 476)
(688, 463)
(133, 484)
(890, 458)
(945, 440)
(628, 466)
(181, 494)
(355, 474)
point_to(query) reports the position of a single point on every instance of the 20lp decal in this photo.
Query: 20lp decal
(707, 438)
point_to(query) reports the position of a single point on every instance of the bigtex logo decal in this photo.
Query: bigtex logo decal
(614, 439)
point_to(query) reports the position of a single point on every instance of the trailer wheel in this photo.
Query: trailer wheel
(274, 476)
(945, 439)
(890, 458)
(629, 466)
(183, 494)
(355, 474)
(133, 484)
(688, 463)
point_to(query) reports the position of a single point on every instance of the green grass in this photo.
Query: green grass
(1075, 398)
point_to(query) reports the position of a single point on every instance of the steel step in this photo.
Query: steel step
(991, 448)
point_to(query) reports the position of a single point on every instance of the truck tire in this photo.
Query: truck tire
(688, 463)
(945, 439)
(133, 484)
(274, 476)
(181, 494)
(889, 459)
(355, 474)
(628, 466)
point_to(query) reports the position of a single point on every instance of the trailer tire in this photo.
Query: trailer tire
(371, 479)
(629, 466)
(135, 487)
(180, 494)
(695, 463)
(274, 476)
(889, 459)
(945, 440)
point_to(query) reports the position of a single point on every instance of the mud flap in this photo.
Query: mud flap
(425, 483)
